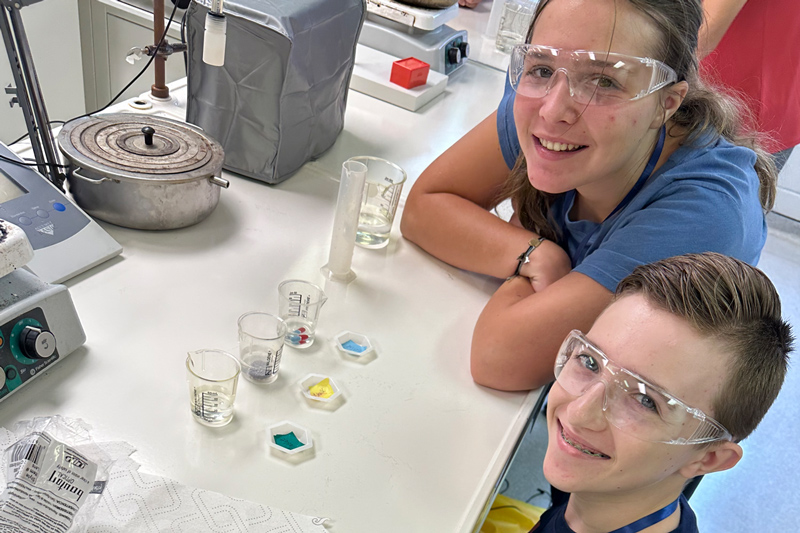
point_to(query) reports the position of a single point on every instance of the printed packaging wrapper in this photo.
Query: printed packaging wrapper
(54, 474)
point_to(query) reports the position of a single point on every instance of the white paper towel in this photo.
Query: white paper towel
(134, 502)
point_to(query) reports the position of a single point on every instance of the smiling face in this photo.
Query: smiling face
(585, 453)
(590, 148)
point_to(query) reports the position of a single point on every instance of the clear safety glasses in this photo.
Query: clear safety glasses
(597, 78)
(631, 403)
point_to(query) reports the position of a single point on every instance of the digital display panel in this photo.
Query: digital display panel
(9, 189)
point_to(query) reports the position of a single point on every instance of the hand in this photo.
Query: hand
(548, 264)
(468, 3)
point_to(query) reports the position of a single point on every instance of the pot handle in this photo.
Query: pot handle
(89, 180)
(222, 182)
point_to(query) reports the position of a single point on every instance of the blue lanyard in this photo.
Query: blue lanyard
(649, 520)
(648, 169)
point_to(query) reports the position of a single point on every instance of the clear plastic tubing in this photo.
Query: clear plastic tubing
(345, 221)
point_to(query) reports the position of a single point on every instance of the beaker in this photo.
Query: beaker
(299, 303)
(514, 23)
(379, 201)
(213, 376)
(260, 346)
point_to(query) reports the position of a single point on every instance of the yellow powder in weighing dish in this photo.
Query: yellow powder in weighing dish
(322, 389)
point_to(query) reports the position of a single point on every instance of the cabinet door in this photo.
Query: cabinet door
(52, 31)
(787, 202)
(109, 29)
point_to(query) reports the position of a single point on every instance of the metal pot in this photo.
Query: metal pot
(141, 171)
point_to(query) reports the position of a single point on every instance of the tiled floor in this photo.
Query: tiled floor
(761, 492)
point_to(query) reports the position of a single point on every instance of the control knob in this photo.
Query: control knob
(37, 343)
(463, 46)
(454, 56)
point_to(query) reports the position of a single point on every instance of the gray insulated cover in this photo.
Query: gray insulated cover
(279, 99)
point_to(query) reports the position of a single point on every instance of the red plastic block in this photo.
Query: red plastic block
(409, 72)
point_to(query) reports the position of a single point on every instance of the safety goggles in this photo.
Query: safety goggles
(631, 404)
(597, 78)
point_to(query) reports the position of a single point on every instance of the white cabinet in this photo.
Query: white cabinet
(52, 30)
(787, 202)
(109, 29)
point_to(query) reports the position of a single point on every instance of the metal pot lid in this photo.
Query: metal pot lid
(141, 147)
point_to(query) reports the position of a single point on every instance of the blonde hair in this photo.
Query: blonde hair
(704, 113)
(737, 305)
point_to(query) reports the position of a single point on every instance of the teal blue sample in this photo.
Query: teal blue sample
(288, 441)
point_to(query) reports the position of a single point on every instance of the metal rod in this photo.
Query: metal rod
(29, 95)
(159, 89)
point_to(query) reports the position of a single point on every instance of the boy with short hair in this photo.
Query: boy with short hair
(681, 366)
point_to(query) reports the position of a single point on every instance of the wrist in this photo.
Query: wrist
(524, 258)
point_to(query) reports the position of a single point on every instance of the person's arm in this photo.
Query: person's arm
(719, 15)
(518, 334)
(469, 3)
(447, 212)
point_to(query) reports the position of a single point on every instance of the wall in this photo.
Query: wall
(53, 35)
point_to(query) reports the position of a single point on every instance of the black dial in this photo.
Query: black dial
(37, 343)
(454, 56)
(464, 48)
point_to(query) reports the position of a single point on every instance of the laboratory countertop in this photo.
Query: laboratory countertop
(414, 445)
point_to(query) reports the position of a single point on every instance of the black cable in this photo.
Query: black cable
(32, 164)
(539, 492)
(152, 58)
(183, 41)
(15, 141)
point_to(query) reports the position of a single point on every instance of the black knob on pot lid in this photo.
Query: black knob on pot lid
(148, 135)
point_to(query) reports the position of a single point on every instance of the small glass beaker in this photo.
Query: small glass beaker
(299, 303)
(379, 201)
(213, 376)
(261, 338)
(514, 22)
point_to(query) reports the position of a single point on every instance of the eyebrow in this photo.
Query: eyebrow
(594, 59)
(642, 376)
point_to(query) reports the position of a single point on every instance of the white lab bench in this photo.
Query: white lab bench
(415, 445)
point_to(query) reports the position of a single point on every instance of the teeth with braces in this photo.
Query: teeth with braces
(581, 448)
(559, 147)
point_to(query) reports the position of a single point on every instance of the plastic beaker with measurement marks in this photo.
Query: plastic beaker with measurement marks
(213, 376)
(514, 22)
(299, 303)
(260, 346)
(379, 201)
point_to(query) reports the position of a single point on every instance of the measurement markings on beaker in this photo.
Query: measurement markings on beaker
(295, 302)
(208, 404)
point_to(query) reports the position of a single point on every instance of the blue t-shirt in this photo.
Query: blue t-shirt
(553, 521)
(704, 198)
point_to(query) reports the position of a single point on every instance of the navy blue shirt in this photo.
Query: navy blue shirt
(704, 198)
(553, 521)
